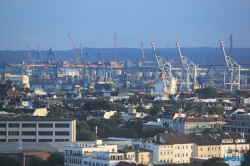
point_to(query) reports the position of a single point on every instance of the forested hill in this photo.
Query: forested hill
(199, 55)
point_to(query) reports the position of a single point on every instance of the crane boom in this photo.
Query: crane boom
(230, 63)
(186, 63)
(74, 50)
(162, 63)
(143, 57)
(28, 47)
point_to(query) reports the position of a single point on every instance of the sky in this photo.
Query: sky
(94, 23)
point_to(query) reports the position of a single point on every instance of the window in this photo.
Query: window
(61, 132)
(2, 140)
(29, 140)
(2, 132)
(2, 125)
(201, 149)
(12, 140)
(45, 140)
(208, 148)
(27, 159)
(13, 125)
(45, 133)
(29, 125)
(45, 125)
(13, 133)
(61, 140)
(28, 133)
(62, 125)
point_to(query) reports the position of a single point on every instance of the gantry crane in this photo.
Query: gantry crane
(53, 62)
(80, 61)
(189, 69)
(233, 67)
(165, 75)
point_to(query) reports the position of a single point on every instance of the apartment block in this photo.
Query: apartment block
(238, 123)
(196, 125)
(37, 129)
(93, 155)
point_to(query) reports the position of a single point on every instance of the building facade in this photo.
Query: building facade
(37, 129)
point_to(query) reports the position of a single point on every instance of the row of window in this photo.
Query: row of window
(93, 163)
(183, 147)
(34, 140)
(213, 148)
(34, 133)
(32, 125)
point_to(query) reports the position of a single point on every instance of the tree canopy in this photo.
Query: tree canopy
(37, 161)
(66, 112)
(247, 159)
(96, 105)
(209, 91)
(55, 158)
(216, 161)
(215, 110)
(7, 160)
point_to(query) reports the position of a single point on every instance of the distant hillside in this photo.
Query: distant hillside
(197, 55)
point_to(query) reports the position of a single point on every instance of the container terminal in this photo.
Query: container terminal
(158, 77)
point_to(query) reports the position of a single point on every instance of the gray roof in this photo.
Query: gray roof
(36, 119)
(12, 147)
(203, 139)
(174, 138)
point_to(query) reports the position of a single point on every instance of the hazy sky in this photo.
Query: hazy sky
(193, 23)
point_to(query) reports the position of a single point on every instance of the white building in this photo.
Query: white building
(169, 148)
(37, 129)
(99, 114)
(167, 118)
(133, 114)
(92, 154)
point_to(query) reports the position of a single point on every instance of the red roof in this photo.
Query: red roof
(14, 93)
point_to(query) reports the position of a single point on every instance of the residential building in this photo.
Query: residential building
(148, 125)
(141, 156)
(25, 156)
(37, 129)
(169, 147)
(218, 144)
(35, 111)
(196, 125)
(92, 154)
(166, 119)
(238, 123)
(205, 145)
(133, 114)
(98, 114)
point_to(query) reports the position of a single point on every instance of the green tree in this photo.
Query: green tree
(214, 110)
(155, 110)
(85, 135)
(247, 159)
(209, 91)
(216, 161)
(7, 160)
(55, 158)
(61, 112)
(37, 161)
(8, 82)
(96, 105)
(150, 118)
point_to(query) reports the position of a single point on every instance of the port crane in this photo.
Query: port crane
(53, 62)
(189, 69)
(233, 67)
(166, 72)
(80, 61)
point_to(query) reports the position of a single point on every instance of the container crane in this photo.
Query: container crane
(79, 62)
(54, 63)
(169, 84)
(233, 67)
(143, 57)
(189, 69)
